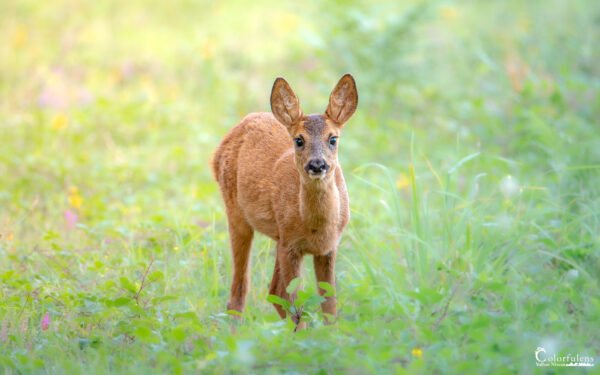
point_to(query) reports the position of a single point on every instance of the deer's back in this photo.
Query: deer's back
(244, 167)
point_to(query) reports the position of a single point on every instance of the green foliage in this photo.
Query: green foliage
(472, 165)
(304, 303)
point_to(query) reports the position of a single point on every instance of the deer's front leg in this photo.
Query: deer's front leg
(275, 289)
(325, 271)
(290, 262)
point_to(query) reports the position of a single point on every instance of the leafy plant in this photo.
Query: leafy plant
(303, 308)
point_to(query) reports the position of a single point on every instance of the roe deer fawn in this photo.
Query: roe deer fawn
(279, 175)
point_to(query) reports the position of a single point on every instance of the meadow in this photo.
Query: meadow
(472, 164)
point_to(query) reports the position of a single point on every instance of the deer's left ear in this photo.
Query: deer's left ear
(343, 100)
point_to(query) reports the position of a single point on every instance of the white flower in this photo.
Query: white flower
(509, 187)
(572, 274)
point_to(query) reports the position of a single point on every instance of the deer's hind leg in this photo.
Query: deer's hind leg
(240, 234)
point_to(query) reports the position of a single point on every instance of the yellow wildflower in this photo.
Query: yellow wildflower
(402, 182)
(448, 13)
(60, 122)
(207, 50)
(75, 199)
(287, 22)
(417, 353)
(19, 37)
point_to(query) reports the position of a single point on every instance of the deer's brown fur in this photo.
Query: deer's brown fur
(294, 194)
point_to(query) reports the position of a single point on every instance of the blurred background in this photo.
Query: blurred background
(472, 163)
(140, 93)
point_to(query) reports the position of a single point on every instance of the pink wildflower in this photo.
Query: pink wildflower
(71, 219)
(45, 323)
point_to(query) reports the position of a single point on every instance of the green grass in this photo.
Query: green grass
(473, 166)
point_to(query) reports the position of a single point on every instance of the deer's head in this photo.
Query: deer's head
(315, 137)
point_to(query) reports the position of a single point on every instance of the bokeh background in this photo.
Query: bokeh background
(472, 164)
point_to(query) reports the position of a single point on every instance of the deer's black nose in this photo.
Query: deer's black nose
(316, 166)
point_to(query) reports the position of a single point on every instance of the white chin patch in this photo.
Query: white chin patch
(317, 176)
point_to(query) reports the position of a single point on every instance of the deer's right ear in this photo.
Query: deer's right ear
(284, 104)
(343, 100)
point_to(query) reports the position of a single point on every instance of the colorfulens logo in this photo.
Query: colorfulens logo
(570, 360)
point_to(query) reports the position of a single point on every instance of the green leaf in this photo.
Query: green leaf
(328, 288)
(85, 342)
(51, 235)
(279, 301)
(302, 297)
(156, 276)
(178, 333)
(313, 301)
(146, 335)
(7, 275)
(293, 285)
(127, 284)
(165, 298)
(121, 301)
(6, 362)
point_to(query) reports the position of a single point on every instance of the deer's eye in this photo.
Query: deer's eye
(333, 141)
(299, 141)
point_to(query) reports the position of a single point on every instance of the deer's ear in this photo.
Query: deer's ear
(284, 103)
(343, 100)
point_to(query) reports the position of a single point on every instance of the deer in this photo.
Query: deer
(279, 174)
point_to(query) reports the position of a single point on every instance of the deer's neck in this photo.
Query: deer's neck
(319, 204)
